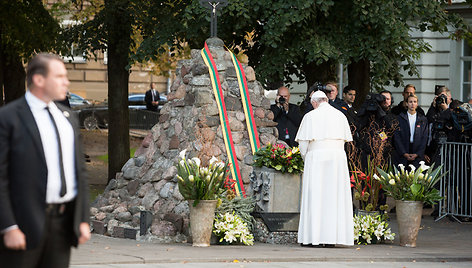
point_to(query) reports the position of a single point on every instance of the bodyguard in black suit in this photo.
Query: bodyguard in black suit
(43, 190)
(410, 149)
(152, 98)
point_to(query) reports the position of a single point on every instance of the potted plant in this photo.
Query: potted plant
(201, 186)
(410, 189)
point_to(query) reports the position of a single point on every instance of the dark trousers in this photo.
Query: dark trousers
(54, 249)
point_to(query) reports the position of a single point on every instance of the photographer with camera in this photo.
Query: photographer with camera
(402, 107)
(441, 122)
(287, 116)
(442, 102)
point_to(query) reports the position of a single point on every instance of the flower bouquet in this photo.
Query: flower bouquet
(201, 183)
(370, 229)
(230, 228)
(414, 185)
(279, 157)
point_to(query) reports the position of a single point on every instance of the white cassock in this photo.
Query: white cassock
(326, 205)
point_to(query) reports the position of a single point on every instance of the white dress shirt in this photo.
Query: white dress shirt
(51, 151)
(412, 121)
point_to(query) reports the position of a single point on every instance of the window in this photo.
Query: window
(78, 56)
(466, 60)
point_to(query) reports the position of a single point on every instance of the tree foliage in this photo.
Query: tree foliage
(26, 27)
(287, 38)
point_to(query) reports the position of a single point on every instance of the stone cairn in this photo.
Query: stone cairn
(147, 184)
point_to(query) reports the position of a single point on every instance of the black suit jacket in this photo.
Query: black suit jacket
(148, 100)
(23, 173)
(290, 121)
(401, 138)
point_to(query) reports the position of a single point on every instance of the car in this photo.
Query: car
(96, 116)
(76, 100)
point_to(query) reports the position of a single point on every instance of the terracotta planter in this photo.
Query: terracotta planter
(409, 221)
(201, 221)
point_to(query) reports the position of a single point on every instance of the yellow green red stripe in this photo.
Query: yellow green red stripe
(224, 119)
(246, 100)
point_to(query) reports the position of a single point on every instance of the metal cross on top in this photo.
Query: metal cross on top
(213, 6)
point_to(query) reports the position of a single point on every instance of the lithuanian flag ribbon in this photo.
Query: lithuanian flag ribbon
(224, 120)
(246, 100)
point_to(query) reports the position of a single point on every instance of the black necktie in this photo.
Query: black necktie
(61, 164)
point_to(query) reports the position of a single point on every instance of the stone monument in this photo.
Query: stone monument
(143, 201)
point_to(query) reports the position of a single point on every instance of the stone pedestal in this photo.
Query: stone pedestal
(276, 192)
(277, 198)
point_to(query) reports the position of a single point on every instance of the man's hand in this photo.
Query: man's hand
(286, 106)
(443, 106)
(15, 239)
(427, 159)
(155, 103)
(84, 228)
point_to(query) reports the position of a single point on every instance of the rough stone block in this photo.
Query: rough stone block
(201, 80)
(118, 232)
(130, 233)
(233, 104)
(132, 187)
(99, 227)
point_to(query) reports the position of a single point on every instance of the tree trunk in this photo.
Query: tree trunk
(359, 78)
(119, 42)
(319, 73)
(14, 76)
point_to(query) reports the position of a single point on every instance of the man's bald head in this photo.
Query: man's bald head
(283, 92)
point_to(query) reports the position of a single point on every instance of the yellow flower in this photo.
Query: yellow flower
(392, 182)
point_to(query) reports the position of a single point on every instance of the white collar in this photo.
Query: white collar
(36, 103)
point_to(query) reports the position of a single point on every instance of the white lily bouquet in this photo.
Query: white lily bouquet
(414, 185)
(197, 182)
(230, 228)
(370, 229)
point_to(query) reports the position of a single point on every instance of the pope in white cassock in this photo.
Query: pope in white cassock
(326, 205)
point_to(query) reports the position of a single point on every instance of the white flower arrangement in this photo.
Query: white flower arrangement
(370, 229)
(230, 228)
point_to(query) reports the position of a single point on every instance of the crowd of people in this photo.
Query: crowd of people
(415, 135)
(322, 126)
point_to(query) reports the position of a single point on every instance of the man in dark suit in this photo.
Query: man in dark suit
(152, 98)
(287, 116)
(43, 190)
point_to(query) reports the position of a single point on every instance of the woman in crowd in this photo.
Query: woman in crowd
(411, 136)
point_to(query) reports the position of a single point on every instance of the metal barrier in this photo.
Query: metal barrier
(142, 119)
(456, 185)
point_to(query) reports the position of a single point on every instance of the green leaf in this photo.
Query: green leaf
(416, 189)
